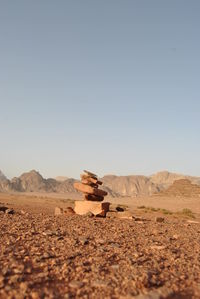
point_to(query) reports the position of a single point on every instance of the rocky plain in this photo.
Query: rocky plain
(147, 247)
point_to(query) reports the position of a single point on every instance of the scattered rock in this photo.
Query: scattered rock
(69, 211)
(158, 247)
(125, 215)
(111, 214)
(3, 209)
(6, 210)
(9, 211)
(193, 222)
(58, 211)
(174, 237)
(74, 284)
(89, 214)
(120, 209)
(93, 197)
(160, 219)
(43, 256)
(100, 284)
(84, 241)
(139, 219)
(161, 293)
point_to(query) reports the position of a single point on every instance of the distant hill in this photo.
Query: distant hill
(33, 182)
(2, 176)
(164, 179)
(116, 186)
(132, 185)
(4, 183)
(61, 178)
(181, 188)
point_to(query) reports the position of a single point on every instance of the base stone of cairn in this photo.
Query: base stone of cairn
(93, 196)
(96, 208)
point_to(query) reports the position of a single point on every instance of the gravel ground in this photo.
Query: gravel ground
(44, 256)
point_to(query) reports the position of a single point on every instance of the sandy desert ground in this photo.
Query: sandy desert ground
(71, 256)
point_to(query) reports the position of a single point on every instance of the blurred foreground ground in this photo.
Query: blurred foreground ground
(43, 256)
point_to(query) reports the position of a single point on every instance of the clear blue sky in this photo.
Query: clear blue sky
(109, 85)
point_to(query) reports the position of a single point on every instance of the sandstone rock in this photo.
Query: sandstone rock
(89, 214)
(193, 221)
(158, 247)
(112, 214)
(120, 209)
(3, 209)
(93, 180)
(69, 211)
(120, 215)
(99, 284)
(93, 197)
(74, 284)
(89, 190)
(125, 215)
(58, 211)
(159, 219)
(161, 293)
(174, 237)
(96, 208)
(87, 182)
(9, 211)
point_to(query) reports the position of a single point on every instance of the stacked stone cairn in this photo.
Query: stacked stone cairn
(93, 196)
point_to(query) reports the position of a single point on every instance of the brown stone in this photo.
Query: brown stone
(125, 215)
(87, 182)
(93, 197)
(89, 190)
(98, 209)
(160, 219)
(90, 179)
(69, 211)
(58, 211)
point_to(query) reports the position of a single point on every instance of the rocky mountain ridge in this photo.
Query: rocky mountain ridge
(181, 188)
(2, 176)
(116, 186)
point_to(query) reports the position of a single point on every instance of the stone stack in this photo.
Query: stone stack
(93, 196)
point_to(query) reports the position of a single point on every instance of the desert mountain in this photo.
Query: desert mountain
(182, 188)
(61, 178)
(30, 182)
(116, 186)
(164, 179)
(132, 185)
(4, 183)
(2, 176)
(33, 182)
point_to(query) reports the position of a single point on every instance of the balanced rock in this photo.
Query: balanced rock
(98, 209)
(87, 182)
(93, 197)
(89, 190)
(89, 186)
(90, 179)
